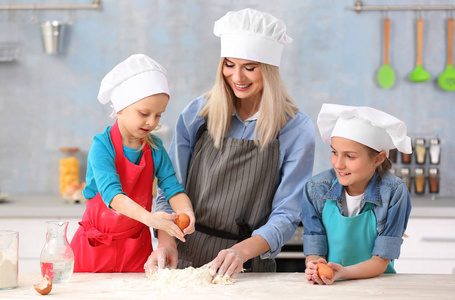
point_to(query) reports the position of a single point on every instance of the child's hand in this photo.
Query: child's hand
(190, 229)
(164, 221)
(311, 272)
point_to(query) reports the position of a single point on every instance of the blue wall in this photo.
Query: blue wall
(48, 102)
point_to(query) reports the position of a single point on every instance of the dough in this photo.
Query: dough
(189, 277)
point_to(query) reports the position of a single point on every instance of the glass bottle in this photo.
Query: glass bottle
(420, 151)
(9, 254)
(406, 177)
(433, 179)
(57, 257)
(419, 180)
(435, 151)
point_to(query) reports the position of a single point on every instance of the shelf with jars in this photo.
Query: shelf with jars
(419, 170)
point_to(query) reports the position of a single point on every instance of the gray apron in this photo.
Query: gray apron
(231, 189)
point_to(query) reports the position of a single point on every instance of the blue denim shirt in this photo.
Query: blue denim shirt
(392, 206)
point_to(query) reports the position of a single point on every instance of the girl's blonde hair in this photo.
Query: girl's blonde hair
(276, 107)
(150, 140)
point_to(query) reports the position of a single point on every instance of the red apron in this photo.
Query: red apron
(107, 241)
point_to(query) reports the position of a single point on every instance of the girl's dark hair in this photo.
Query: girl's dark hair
(386, 164)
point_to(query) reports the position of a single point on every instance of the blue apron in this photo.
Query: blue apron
(350, 239)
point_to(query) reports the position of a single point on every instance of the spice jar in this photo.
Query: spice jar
(433, 179)
(435, 151)
(420, 151)
(419, 180)
(405, 175)
(69, 168)
(393, 155)
(405, 158)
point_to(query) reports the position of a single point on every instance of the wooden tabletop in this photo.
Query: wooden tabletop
(248, 286)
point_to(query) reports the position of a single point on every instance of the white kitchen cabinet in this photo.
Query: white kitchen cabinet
(32, 237)
(429, 247)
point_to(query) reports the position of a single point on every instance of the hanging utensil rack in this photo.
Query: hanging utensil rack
(95, 5)
(359, 7)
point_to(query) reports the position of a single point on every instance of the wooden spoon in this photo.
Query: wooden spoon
(419, 74)
(386, 75)
(447, 78)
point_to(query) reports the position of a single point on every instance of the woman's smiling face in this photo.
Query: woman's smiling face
(244, 77)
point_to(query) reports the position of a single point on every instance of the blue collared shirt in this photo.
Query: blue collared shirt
(392, 207)
(295, 167)
(102, 174)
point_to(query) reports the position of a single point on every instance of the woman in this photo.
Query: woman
(244, 152)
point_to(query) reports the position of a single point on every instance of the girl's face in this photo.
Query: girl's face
(140, 118)
(244, 77)
(353, 164)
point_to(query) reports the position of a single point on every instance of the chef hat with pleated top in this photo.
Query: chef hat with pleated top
(252, 35)
(133, 79)
(365, 125)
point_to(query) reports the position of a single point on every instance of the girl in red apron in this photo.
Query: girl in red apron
(355, 215)
(114, 234)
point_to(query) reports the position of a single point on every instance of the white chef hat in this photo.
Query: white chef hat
(133, 79)
(368, 126)
(253, 35)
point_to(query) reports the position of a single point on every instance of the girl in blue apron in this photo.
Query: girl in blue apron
(243, 151)
(355, 214)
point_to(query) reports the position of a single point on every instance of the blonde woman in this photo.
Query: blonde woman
(243, 151)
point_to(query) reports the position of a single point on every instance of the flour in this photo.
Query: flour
(189, 277)
(8, 273)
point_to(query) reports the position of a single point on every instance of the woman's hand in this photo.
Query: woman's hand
(228, 262)
(160, 258)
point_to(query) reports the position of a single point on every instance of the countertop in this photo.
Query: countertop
(248, 286)
(31, 206)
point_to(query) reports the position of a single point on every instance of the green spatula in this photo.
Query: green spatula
(447, 78)
(386, 75)
(419, 74)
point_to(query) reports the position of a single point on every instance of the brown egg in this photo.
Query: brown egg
(182, 221)
(325, 270)
(45, 286)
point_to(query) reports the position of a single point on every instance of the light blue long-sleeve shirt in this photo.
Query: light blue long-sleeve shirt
(102, 174)
(295, 168)
(392, 207)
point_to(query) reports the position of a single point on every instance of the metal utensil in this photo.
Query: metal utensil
(447, 79)
(386, 75)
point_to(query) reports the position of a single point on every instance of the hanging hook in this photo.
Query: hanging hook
(70, 17)
(34, 18)
(419, 12)
(385, 11)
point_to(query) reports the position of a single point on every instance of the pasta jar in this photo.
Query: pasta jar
(69, 168)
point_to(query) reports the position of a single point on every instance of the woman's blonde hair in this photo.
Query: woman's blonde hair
(276, 107)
